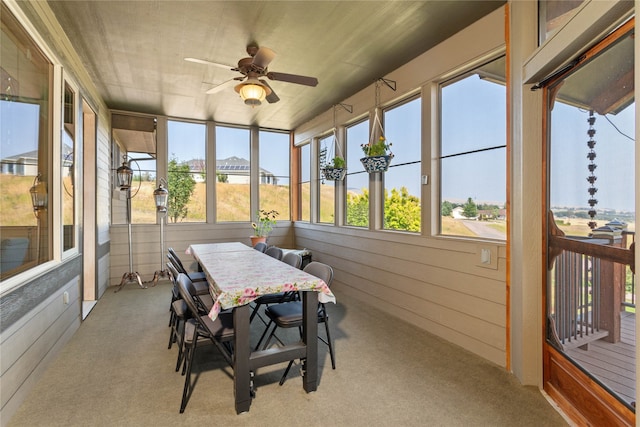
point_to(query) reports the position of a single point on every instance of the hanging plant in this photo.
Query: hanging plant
(377, 153)
(335, 171)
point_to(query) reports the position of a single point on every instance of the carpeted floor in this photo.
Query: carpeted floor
(117, 371)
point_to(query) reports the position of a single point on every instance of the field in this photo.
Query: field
(232, 203)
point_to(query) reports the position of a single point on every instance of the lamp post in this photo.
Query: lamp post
(161, 196)
(38, 193)
(125, 175)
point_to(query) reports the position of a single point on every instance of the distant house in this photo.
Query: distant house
(456, 213)
(236, 170)
(25, 164)
(490, 214)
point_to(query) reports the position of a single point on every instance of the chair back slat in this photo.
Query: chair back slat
(184, 283)
(275, 252)
(293, 259)
(260, 246)
(321, 271)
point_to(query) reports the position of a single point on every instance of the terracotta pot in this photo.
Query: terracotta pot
(257, 239)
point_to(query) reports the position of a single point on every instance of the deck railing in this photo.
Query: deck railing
(588, 289)
(576, 299)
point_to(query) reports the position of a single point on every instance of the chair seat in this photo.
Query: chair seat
(271, 298)
(198, 277)
(180, 308)
(201, 287)
(287, 315)
(222, 327)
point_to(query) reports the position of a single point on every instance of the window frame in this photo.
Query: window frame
(50, 136)
(451, 78)
(411, 97)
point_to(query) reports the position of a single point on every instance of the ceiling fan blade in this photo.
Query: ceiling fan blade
(263, 57)
(272, 97)
(205, 62)
(293, 78)
(221, 86)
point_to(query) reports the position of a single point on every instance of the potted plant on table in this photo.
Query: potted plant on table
(263, 226)
(335, 171)
(378, 155)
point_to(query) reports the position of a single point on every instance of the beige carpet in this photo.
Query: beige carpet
(117, 371)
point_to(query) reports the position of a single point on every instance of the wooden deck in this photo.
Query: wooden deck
(613, 364)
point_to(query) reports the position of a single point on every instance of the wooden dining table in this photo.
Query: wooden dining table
(238, 275)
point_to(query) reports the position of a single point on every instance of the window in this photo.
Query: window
(187, 172)
(402, 181)
(274, 173)
(233, 174)
(326, 187)
(357, 180)
(473, 153)
(134, 146)
(25, 144)
(553, 14)
(305, 182)
(67, 164)
(143, 207)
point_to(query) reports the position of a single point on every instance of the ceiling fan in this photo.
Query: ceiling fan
(253, 88)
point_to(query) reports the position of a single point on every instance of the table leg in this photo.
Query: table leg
(310, 338)
(241, 353)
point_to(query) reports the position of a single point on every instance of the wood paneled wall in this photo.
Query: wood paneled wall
(434, 284)
(145, 243)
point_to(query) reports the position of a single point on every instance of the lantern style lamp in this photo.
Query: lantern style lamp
(38, 193)
(124, 176)
(161, 196)
(39, 200)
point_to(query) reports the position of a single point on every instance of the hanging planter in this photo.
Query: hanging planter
(376, 163)
(334, 174)
(335, 171)
(378, 154)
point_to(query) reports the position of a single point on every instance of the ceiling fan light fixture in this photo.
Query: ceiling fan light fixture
(253, 92)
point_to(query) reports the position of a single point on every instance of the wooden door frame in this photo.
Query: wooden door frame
(577, 394)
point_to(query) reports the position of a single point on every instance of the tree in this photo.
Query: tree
(358, 209)
(401, 210)
(470, 210)
(446, 209)
(180, 185)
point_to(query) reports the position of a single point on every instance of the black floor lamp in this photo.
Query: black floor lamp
(161, 195)
(125, 176)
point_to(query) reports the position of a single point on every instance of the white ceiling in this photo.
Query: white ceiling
(135, 50)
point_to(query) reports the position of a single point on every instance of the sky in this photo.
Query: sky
(468, 124)
(614, 158)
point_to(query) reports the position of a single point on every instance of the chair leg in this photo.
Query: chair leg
(188, 387)
(172, 331)
(333, 357)
(181, 349)
(286, 372)
(263, 335)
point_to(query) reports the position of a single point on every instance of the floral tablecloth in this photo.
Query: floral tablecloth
(238, 277)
